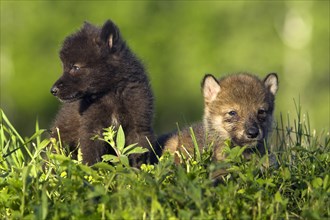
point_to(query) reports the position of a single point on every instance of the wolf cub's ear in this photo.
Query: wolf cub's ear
(211, 88)
(110, 34)
(271, 82)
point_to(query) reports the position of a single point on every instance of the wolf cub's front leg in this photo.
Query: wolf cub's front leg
(65, 126)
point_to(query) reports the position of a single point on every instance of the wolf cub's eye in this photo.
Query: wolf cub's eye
(262, 114)
(261, 111)
(232, 113)
(75, 67)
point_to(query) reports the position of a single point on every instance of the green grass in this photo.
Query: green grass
(61, 188)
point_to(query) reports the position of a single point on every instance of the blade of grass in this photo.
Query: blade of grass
(197, 154)
(6, 120)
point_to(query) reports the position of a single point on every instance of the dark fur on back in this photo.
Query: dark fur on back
(103, 84)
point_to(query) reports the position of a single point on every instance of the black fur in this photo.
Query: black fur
(103, 84)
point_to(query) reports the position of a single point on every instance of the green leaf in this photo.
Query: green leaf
(286, 173)
(137, 150)
(108, 136)
(3, 118)
(59, 157)
(44, 143)
(241, 175)
(326, 182)
(124, 160)
(44, 203)
(79, 155)
(120, 140)
(234, 168)
(36, 135)
(241, 191)
(241, 150)
(278, 197)
(317, 182)
(235, 152)
(129, 148)
(87, 169)
(110, 158)
(103, 166)
(197, 153)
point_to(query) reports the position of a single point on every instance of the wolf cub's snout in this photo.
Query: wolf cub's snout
(238, 108)
(55, 88)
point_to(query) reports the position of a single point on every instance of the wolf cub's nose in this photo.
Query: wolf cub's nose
(252, 132)
(54, 90)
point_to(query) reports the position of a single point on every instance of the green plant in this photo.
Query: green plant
(118, 145)
(298, 188)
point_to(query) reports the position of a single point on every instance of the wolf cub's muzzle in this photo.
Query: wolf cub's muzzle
(54, 90)
(252, 132)
(62, 94)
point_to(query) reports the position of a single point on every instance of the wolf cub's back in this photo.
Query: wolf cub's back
(238, 108)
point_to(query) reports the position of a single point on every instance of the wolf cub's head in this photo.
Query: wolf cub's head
(239, 107)
(90, 59)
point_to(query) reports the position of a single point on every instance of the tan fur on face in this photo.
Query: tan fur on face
(246, 95)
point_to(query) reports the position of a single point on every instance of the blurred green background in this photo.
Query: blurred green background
(178, 42)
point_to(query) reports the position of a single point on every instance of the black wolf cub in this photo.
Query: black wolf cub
(103, 84)
(238, 108)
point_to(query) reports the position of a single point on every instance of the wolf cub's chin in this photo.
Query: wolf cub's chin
(68, 100)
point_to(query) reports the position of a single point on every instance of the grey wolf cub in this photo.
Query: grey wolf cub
(103, 84)
(238, 108)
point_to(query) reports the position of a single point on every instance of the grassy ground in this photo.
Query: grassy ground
(298, 187)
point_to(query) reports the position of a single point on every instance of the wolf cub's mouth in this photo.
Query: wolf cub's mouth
(250, 144)
(70, 98)
(63, 95)
(247, 143)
